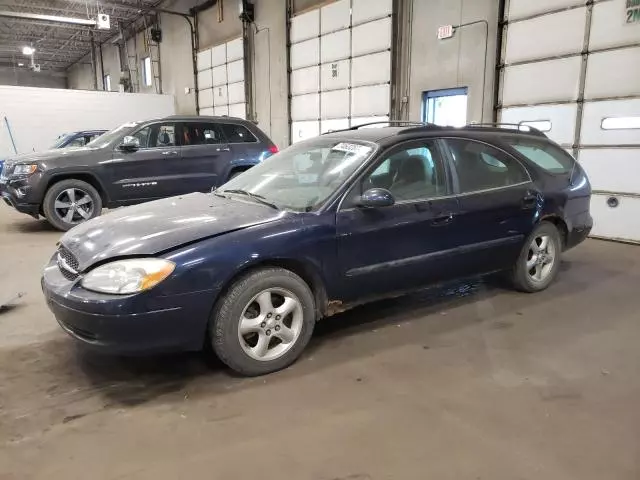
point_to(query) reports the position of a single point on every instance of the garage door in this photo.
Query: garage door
(221, 80)
(340, 59)
(571, 69)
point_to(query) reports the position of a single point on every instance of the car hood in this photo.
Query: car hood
(161, 225)
(49, 156)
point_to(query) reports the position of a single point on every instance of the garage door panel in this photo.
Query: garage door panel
(235, 71)
(561, 117)
(238, 110)
(205, 79)
(367, 10)
(203, 60)
(305, 107)
(221, 110)
(219, 75)
(613, 74)
(546, 36)
(236, 92)
(305, 80)
(608, 28)
(335, 17)
(305, 54)
(305, 26)
(334, 124)
(220, 96)
(370, 101)
(335, 46)
(524, 8)
(205, 97)
(614, 170)
(595, 113)
(371, 37)
(618, 222)
(206, 111)
(355, 121)
(335, 75)
(235, 50)
(303, 130)
(371, 69)
(219, 55)
(334, 104)
(550, 81)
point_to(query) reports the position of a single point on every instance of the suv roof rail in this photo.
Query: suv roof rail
(521, 127)
(381, 122)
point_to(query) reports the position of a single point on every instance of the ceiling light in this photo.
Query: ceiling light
(21, 64)
(28, 50)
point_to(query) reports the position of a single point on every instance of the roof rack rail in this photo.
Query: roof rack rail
(521, 127)
(381, 122)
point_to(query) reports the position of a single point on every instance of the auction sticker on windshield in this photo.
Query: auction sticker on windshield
(354, 148)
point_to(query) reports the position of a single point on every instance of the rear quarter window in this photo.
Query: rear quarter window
(545, 155)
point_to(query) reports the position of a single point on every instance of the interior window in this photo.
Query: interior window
(156, 136)
(547, 156)
(201, 134)
(482, 167)
(409, 174)
(237, 133)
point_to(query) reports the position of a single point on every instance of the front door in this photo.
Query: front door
(206, 156)
(396, 248)
(153, 170)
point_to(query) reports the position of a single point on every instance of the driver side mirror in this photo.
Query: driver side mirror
(129, 144)
(376, 198)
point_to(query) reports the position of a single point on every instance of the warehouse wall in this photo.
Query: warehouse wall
(211, 32)
(26, 78)
(79, 75)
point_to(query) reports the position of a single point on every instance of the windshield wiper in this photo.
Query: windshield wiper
(255, 196)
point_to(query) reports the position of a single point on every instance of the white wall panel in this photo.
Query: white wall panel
(334, 124)
(562, 118)
(203, 60)
(305, 107)
(334, 46)
(614, 73)
(305, 80)
(524, 8)
(219, 75)
(546, 36)
(367, 10)
(616, 223)
(305, 54)
(608, 28)
(205, 97)
(615, 170)
(554, 80)
(205, 80)
(303, 130)
(370, 101)
(222, 110)
(594, 112)
(238, 110)
(236, 92)
(334, 104)
(371, 37)
(218, 55)
(235, 50)
(335, 16)
(235, 71)
(305, 26)
(335, 75)
(371, 69)
(220, 96)
(206, 111)
(355, 121)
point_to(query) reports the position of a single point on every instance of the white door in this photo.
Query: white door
(588, 103)
(221, 80)
(340, 62)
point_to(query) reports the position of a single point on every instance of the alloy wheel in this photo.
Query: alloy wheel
(73, 205)
(541, 258)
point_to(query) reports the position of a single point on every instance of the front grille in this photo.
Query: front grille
(68, 264)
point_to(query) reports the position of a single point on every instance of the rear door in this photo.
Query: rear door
(246, 149)
(206, 156)
(498, 204)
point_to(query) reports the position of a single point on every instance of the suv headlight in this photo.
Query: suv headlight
(24, 169)
(128, 276)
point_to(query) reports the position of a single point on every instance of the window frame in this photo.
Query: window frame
(454, 171)
(147, 71)
(381, 156)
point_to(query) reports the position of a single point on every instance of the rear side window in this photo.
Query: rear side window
(237, 133)
(546, 155)
(201, 134)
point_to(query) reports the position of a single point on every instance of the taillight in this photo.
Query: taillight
(273, 149)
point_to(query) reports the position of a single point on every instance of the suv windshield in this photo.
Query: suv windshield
(303, 176)
(118, 132)
(61, 140)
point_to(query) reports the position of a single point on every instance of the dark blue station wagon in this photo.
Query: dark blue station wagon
(326, 224)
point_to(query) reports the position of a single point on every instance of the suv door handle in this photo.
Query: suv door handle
(223, 149)
(442, 220)
(170, 152)
(529, 202)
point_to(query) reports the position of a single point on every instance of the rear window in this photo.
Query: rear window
(547, 156)
(237, 133)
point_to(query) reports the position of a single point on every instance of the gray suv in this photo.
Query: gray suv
(136, 162)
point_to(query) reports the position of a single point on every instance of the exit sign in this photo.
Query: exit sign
(445, 31)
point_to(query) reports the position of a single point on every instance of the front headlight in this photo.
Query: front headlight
(128, 276)
(24, 169)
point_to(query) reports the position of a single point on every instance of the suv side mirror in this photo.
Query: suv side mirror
(129, 144)
(376, 198)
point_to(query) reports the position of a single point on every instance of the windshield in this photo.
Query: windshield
(61, 140)
(106, 138)
(303, 176)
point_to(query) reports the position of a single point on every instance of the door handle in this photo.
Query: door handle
(529, 202)
(223, 149)
(172, 152)
(442, 220)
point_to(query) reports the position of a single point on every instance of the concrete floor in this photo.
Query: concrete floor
(469, 382)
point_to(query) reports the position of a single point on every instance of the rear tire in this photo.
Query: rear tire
(539, 260)
(71, 202)
(263, 322)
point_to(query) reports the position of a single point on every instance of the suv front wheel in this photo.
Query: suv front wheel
(70, 202)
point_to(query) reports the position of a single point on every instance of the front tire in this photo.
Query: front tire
(70, 202)
(539, 261)
(263, 322)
